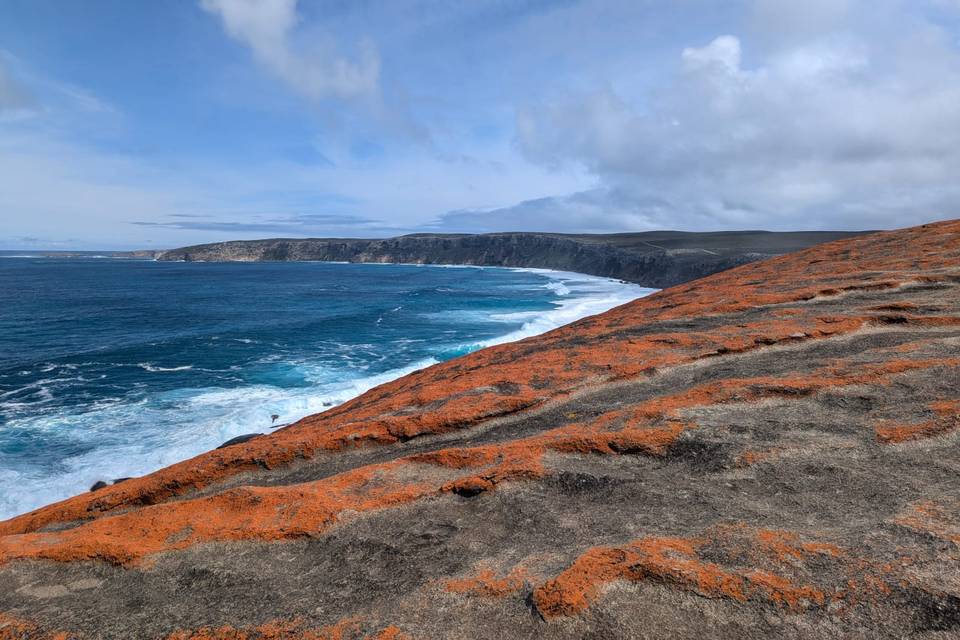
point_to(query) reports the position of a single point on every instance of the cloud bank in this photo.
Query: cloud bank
(827, 128)
(376, 118)
(297, 224)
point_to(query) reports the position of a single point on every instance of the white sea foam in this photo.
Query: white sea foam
(135, 438)
(558, 287)
(127, 438)
(581, 296)
(146, 366)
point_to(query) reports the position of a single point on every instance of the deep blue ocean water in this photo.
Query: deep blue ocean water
(112, 368)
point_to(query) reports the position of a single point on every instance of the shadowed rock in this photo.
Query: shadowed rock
(247, 437)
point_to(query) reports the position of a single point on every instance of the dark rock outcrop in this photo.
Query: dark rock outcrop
(654, 259)
(247, 437)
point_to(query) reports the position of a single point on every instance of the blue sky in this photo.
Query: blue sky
(158, 124)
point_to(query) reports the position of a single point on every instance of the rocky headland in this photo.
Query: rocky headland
(653, 259)
(771, 451)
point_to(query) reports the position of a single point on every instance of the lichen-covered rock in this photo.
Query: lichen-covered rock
(773, 451)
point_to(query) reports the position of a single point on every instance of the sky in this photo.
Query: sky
(130, 125)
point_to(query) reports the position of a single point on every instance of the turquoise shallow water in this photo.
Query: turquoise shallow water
(112, 368)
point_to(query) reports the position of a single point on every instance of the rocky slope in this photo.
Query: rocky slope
(772, 451)
(654, 259)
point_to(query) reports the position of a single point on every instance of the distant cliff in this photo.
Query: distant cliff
(654, 259)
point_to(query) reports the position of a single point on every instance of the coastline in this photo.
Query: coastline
(655, 259)
(578, 296)
(772, 443)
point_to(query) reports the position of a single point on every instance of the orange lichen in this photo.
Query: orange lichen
(672, 561)
(276, 513)
(349, 629)
(946, 408)
(782, 592)
(750, 458)
(762, 565)
(265, 513)
(947, 420)
(786, 545)
(390, 633)
(909, 347)
(650, 441)
(457, 458)
(13, 628)
(488, 584)
(934, 519)
(894, 433)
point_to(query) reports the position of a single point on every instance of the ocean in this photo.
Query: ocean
(115, 367)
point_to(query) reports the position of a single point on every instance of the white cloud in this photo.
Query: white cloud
(266, 27)
(826, 113)
(722, 54)
(597, 210)
(837, 129)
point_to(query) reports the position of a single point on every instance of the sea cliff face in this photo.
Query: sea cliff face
(771, 451)
(655, 259)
